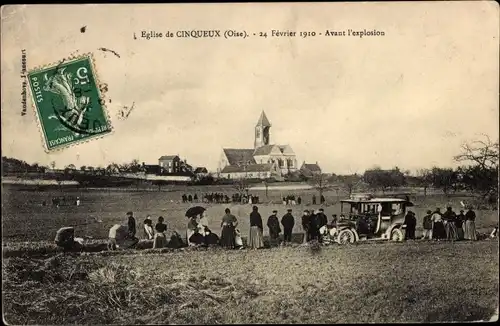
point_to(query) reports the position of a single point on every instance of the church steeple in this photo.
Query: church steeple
(262, 131)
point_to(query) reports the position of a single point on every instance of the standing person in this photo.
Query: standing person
(427, 225)
(255, 238)
(77, 201)
(459, 223)
(195, 198)
(407, 222)
(299, 200)
(274, 228)
(288, 221)
(148, 228)
(314, 200)
(322, 222)
(314, 225)
(131, 225)
(160, 239)
(322, 199)
(228, 224)
(306, 226)
(438, 231)
(470, 225)
(449, 219)
(413, 225)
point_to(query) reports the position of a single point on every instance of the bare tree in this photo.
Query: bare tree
(320, 182)
(483, 153)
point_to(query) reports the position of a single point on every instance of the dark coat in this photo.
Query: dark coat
(306, 222)
(427, 224)
(131, 226)
(470, 216)
(273, 224)
(288, 221)
(255, 220)
(322, 219)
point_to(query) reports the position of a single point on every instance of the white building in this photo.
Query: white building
(263, 161)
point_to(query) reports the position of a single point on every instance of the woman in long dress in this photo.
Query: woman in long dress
(255, 239)
(228, 224)
(160, 238)
(470, 225)
(193, 235)
(438, 230)
(148, 228)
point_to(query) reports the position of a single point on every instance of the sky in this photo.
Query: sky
(409, 98)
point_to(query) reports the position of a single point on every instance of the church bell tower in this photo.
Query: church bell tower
(262, 131)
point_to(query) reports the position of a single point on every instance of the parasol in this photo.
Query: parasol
(193, 211)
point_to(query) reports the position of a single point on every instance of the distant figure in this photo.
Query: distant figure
(427, 225)
(160, 239)
(190, 198)
(314, 199)
(284, 201)
(148, 228)
(77, 201)
(322, 199)
(459, 223)
(470, 225)
(228, 224)
(195, 197)
(255, 238)
(299, 200)
(274, 229)
(288, 222)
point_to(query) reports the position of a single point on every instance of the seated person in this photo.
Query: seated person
(119, 238)
(65, 238)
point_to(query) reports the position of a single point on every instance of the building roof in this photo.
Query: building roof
(168, 157)
(238, 156)
(268, 149)
(263, 121)
(311, 167)
(249, 168)
(201, 169)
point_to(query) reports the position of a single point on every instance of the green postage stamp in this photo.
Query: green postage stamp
(68, 102)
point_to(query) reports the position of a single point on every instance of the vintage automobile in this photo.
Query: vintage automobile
(365, 217)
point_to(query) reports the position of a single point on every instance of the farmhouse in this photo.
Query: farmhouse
(309, 170)
(262, 161)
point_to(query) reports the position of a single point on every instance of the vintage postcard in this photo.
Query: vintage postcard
(250, 163)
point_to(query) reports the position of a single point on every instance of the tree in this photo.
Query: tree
(320, 183)
(384, 179)
(53, 165)
(444, 179)
(83, 168)
(480, 172)
(71, 167)
(424, 177)
(348, 182)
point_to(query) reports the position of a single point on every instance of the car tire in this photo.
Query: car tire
(397, 235)
(346, 236)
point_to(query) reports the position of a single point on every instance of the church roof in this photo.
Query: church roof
(268, 149)
(167, 157)
(263, 121)
(238, 156)
(249, 168)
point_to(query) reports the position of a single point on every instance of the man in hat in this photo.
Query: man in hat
(274, 228)
(288, 221)
(306, 225)
(427, 224)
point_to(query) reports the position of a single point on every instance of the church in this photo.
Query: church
(263, 161)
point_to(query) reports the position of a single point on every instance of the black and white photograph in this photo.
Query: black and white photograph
(250, 163)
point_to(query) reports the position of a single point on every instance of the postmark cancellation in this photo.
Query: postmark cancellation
(69, 102)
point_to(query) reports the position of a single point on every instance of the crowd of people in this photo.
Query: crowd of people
(449, 225)
(436, 226)
(220, 198)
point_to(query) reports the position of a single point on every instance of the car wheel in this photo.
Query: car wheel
(346, 236)
(397, 235)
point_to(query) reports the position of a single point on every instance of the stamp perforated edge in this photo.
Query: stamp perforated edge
(93, 66)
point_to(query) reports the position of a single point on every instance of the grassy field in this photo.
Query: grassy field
(24, 219)
(390, 282)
